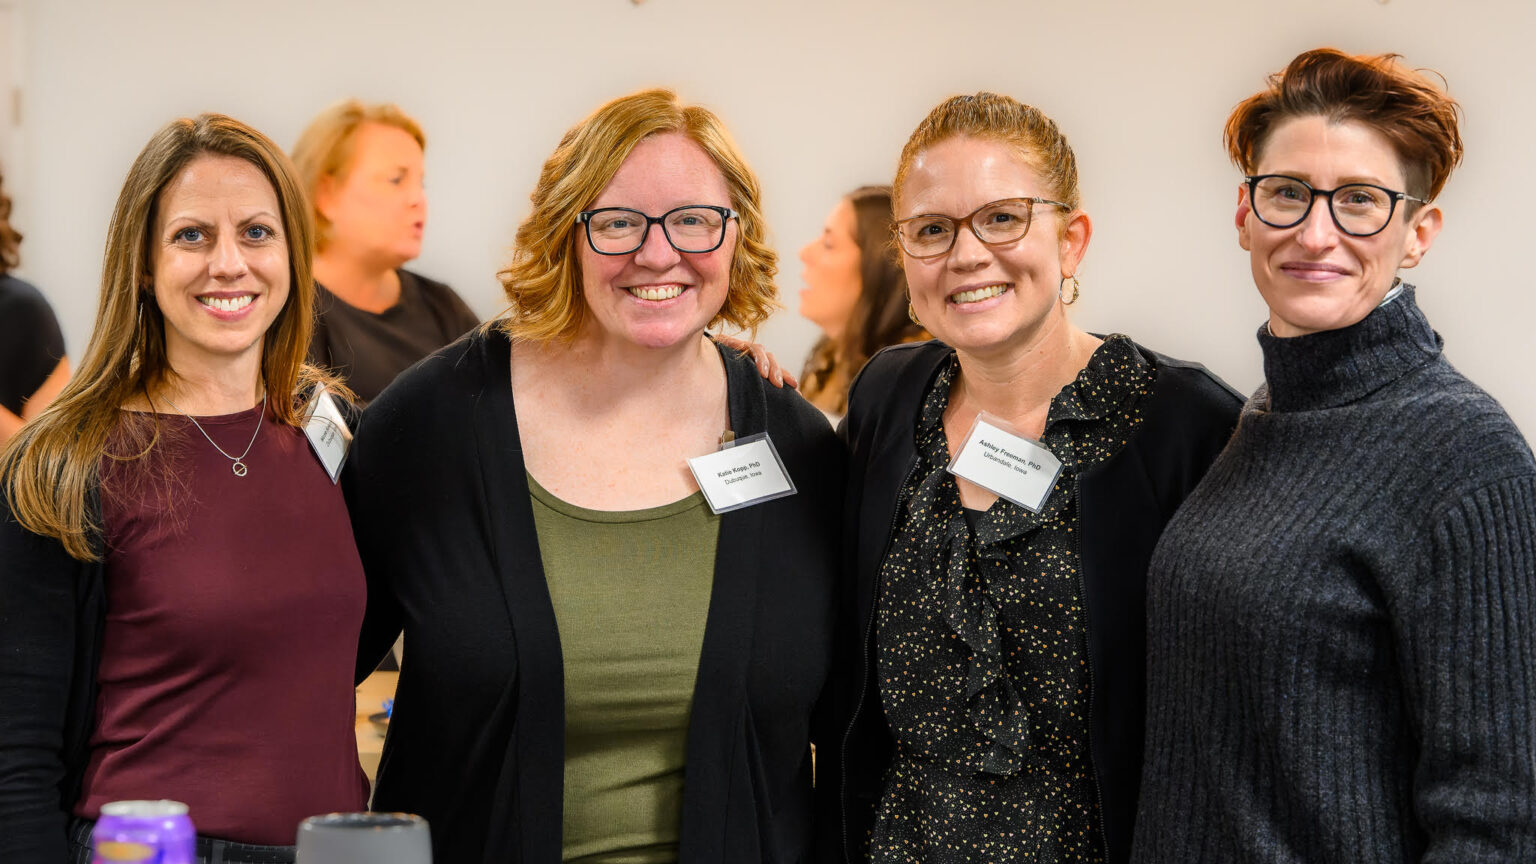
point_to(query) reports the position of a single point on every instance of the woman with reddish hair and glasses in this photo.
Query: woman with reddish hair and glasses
(607, 662)
(992, 707)
(1342, 616)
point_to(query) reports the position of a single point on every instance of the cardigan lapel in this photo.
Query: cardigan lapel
(717, 724)
(534, 765)
(880, 490)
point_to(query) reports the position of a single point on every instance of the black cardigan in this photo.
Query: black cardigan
(52, 612)
(444, 523)
(1125, 502)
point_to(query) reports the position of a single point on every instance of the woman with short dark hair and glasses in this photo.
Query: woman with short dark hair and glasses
(1342, 616)
(1008, 482)
(608, 660)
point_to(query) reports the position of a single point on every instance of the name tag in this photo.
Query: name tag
(327, 431)
(1006, 464)
(741, 473)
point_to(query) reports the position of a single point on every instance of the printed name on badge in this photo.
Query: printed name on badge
(741, 473)
(1006, 464)
(327, 432)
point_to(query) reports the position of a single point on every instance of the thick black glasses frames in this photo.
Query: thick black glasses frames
(615, 247)
(1265, 209)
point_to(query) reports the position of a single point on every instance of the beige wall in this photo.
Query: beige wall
(821, 96)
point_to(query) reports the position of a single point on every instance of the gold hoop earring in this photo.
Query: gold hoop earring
(1061, 290)
(912, 314)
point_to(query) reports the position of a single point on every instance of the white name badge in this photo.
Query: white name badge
(327, 432)
(1006, 464)
(741, 473)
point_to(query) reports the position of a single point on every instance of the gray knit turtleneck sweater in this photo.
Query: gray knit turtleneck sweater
(1341, 630)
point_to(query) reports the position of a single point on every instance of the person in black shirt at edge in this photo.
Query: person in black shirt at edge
(33, 367)
(362, 165)
(991, 696)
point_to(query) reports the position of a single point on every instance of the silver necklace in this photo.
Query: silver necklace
(239, 466)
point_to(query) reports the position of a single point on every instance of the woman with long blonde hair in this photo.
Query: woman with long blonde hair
(173, 468)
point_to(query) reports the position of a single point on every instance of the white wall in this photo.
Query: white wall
(820, 94)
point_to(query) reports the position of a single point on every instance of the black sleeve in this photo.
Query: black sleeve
(39, 603)
(382, 620)
(31, 344)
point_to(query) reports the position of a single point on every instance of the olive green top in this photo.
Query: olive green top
(631, 591)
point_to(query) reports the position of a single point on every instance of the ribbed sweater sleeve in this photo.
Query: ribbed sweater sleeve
(1467, 639)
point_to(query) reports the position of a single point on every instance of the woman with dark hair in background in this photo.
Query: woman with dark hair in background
(855, 292)
(1341, 625)
(33, 367)
(363, 167)
(180, 595)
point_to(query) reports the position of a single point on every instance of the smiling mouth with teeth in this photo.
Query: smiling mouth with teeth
(227, 304)
(975, 294)
(656, 293)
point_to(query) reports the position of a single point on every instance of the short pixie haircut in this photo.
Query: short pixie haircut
(1405, 107)
(543, 282)
(993, 117)
(325, 147)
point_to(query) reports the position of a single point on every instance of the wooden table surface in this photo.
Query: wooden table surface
(370, 699)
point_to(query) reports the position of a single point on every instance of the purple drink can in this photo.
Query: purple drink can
(153, 832)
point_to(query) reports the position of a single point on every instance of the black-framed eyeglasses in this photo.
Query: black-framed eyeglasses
(1359, 209)
(999, 222)
(620, 230)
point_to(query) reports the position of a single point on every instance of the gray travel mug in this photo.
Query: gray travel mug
(364, 838)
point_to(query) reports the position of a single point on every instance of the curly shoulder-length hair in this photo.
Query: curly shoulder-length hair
(543, 281)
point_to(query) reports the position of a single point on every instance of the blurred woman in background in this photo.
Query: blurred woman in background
(33, 366)
(856, 293)
(363, 166)
(180, 594)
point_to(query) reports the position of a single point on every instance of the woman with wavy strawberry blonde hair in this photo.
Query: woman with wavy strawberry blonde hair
(601, 665)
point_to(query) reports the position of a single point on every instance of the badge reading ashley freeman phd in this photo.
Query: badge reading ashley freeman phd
(1006, 464)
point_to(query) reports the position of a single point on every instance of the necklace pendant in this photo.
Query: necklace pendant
(238, 468)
